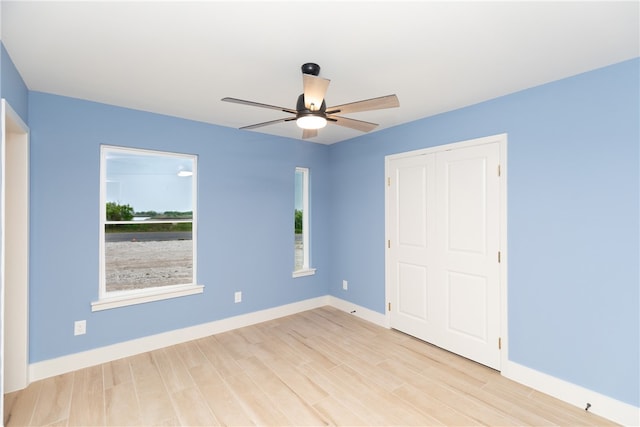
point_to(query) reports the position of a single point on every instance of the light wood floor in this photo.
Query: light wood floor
(320, 367)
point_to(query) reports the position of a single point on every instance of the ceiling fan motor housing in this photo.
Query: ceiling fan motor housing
(311, 68)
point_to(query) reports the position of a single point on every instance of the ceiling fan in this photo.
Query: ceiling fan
(311, 112)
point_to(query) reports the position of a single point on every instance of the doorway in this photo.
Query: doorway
(446, 246)
(14, 249)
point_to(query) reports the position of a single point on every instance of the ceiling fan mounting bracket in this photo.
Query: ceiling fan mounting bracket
(310, 68)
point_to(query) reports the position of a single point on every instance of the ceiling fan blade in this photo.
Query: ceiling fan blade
(314, 91)
(352, 123)
(309, 133)
(389, 101)
(271, 122)
(257, 104)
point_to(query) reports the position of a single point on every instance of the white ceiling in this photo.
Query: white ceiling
(180, 58)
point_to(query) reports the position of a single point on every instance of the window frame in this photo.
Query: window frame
(108, 300)
(306, 269)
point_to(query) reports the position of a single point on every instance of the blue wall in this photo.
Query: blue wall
(245, 229)
(12, 87)
(573, 221)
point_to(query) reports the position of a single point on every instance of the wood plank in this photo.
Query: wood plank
(377, 397)
(292, 405)
(145, 373)
(299, 383)
(337, 413)
(22, 405)
(117, 372)
(223, 403)
(193, 409)
(235, 344)
(441, 413)
(173, 371)
(190, 354)
(296, 343)
(256, 404)
(87, 401)
(154, 400)
(54, 400)
(218, 356)
(341, 392)
(442, 392)
(369, 375)
(121, 405)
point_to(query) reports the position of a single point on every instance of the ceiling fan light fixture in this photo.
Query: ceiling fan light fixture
(311, 121)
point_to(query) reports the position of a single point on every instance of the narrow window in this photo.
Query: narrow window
(301, 224)
(147, 226)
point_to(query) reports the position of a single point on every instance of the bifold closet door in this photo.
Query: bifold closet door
(443, 249)
(411, 245)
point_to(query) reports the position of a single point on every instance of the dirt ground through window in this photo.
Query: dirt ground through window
(137, 265)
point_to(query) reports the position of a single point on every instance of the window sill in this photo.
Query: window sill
(305, 272)
(131, 298)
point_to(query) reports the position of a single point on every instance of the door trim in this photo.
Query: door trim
(501, 139)
(14, 252)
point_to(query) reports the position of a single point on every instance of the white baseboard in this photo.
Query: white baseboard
(607, 407)
(72, 362)
(604, 406)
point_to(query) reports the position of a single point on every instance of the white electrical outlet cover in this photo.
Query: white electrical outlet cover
(80, 327)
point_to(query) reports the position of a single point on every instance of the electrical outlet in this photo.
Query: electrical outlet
(345, 285)
(238, 296)
(80, 327)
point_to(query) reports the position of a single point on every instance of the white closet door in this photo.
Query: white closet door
(444, 217)
(468, 243)
(411, 268)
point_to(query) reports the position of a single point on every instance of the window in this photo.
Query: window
(147, 226)
(301, 225)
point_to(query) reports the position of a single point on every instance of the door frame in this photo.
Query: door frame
(501, 139)
(14, 250)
